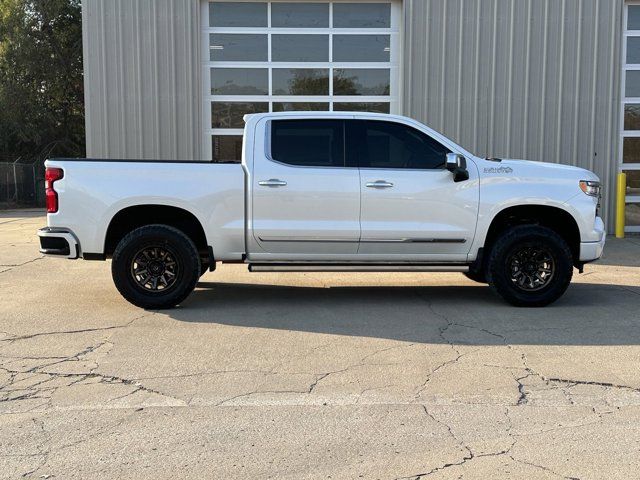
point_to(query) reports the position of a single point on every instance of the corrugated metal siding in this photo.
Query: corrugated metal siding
(142, 79)
(534, 79)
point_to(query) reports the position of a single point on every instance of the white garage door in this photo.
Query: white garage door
(630, 136)
(282, 56)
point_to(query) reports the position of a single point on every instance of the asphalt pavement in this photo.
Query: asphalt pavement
(314, 376)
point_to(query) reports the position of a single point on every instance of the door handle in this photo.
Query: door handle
(274, 182)
(379, 184)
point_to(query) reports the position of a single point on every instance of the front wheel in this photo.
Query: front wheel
(530, 266)
(156, 267)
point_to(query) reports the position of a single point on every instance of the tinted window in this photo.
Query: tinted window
(393, 145)
(308, 143)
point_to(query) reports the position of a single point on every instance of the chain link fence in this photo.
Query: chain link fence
(22, 183)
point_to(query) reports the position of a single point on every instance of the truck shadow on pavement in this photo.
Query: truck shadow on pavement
(588, 314)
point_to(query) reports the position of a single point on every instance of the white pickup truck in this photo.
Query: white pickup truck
(328, 191)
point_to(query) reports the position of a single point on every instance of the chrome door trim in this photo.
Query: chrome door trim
(307, 239)
(364, 240)
(413, 240)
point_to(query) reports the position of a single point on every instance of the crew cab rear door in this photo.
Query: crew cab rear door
(411, 206)
(305, 194)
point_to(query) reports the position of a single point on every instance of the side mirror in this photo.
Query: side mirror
(457, 165)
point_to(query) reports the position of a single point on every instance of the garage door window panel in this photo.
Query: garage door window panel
(299, 15)
(362, 15)
(231, 47)
(300, 81)
(361, 48)
(361, 107)
(226, 148)
(230, 114)
(300, 107)
(239, 81)
(238, 14)
(296, 56)
(299, 48)
(353, 81)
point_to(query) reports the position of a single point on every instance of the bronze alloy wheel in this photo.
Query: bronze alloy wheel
(532, 268)
(155, 269)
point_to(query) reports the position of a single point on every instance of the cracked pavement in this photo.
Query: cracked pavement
(305, 376)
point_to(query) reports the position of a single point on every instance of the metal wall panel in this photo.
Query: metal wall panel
(143, 90)
(534, 79)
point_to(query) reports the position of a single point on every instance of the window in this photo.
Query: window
(361, 48)
(361, 81)
(300, 48)
(362, 15)
(629, 160)
(300, 15)
(239, 81)
(238, 14)
(361, 107)
(232, 47)
(300, 81)
(287, 55)
(308, 143)
(229, 114)
(226, 148)
(393, 145)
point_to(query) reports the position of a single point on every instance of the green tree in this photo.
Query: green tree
(41, 78)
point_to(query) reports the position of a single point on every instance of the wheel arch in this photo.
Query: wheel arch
(558, 219)
(136, 216)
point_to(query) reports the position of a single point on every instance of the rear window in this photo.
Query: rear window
(308, 143)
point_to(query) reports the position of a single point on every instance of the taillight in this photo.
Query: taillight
(51, 176)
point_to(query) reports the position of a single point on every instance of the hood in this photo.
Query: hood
(529, 168)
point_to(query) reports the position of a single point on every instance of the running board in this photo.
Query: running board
(342, 267)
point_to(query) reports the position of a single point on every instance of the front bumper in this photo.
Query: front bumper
(57, 242)
(590, 251)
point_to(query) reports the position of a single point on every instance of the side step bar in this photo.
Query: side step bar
(345, 267)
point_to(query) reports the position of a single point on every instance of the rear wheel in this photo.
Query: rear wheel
(155, 267)
(530, 266)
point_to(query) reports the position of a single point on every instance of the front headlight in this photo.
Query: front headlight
(590, 187)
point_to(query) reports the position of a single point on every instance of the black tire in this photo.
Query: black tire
(204, 267)
(530, 266)
(163, 254)
(478, 277)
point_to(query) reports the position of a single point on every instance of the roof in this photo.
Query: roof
(383, 116)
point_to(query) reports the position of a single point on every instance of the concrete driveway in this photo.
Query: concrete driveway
(296, 376)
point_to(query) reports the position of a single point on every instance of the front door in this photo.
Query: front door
(411, 207)
(306, 199)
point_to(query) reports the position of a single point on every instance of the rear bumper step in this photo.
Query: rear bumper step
(58, 243)
(385, 267)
